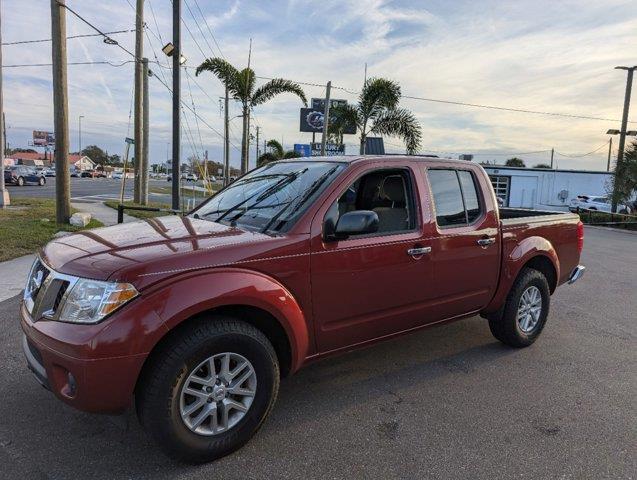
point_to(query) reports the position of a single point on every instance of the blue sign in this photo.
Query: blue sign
(303, 149)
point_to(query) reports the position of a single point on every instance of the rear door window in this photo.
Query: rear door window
(455, 196)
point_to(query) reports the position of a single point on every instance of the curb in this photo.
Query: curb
(611, 229)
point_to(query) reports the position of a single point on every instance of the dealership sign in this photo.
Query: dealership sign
(303, 149)
(331, 149)
(312, 118)
(43, 139)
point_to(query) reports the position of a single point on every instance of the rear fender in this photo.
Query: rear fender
(514, 261)
(195, 293)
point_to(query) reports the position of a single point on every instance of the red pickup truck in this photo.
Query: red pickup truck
(194, 319)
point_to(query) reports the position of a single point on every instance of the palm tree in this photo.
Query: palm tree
(377, 112)
(276, 153)
(241, 85)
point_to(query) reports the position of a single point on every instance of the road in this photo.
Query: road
(448, 402)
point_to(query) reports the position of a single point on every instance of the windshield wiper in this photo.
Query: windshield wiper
(310, 191)
(261, 196)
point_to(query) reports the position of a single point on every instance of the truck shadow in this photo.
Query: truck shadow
(382, 376)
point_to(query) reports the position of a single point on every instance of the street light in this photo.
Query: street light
(168, 49)
(80, 128)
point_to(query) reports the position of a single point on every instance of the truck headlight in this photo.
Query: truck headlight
(89, 301)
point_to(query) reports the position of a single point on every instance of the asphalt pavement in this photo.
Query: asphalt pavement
(445, 403)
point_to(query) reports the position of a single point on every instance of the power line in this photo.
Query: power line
(43, 40)
(199, 27)
(99, 62)
(107, 39)
(209, 29)
(578, 155)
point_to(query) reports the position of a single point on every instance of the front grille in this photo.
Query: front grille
(44, 291)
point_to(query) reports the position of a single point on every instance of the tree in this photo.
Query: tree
(96, 154)
(624, 185)
(377, 112)
(542, 165)
(515, 162)
(276, 153)
(241, 85)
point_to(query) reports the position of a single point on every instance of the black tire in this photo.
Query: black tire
(504, 325)
(20, 182)
(41, 181)
(158, 394)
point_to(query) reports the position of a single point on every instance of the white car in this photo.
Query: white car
(595, 202)
(191, 177)
(117, 175)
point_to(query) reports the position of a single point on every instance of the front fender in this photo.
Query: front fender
(198, 292)
(513, 261)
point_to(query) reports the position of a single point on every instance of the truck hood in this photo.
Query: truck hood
(146, 251)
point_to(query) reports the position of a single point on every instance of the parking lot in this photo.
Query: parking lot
(447, 402)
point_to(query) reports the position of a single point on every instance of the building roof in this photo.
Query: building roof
(527, 169)
(73, 158)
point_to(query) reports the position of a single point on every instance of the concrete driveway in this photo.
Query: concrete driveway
(448, 402)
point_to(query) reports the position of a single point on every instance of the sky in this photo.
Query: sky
(553, 56)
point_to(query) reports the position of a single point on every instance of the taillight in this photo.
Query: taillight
(580, 237)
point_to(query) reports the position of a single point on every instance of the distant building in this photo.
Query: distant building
(544, 189)
(77, 162)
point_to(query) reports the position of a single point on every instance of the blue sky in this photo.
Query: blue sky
(539, 55)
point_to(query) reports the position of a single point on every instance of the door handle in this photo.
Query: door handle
(485, 242)
(414, 252)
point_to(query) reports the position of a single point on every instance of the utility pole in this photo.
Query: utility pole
(256, 145)
(619, 168)
(226, 140)
(326, 117)
(176, 103)
(60, 112)
(610, 150)
(79, 121)
(552, 153)
(139, 87)
(145, 132)
(4, 193)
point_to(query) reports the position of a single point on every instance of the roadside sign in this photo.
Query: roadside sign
(43, 139)
(130, 141)
(331, 149)
(303, 149)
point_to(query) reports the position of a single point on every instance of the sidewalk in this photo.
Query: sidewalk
(99, 211)
(13, 275)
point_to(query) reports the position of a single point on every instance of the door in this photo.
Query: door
(466, 251)
(372, 285)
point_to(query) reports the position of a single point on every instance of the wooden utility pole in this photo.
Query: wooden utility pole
(60, 112)
(552, 154)
(139, 87)
(610, 151)
(226, 140)
(176, 161)
(326, 117)
(619, 170)
(144, 165)
(4, 193)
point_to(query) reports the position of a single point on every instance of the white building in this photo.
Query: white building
(544, 189)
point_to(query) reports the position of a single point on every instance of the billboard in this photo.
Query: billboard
(312, 117)
(331, 149)
(43, 139)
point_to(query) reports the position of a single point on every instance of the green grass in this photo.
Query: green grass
(140, 213)
(185, 191)
(28, 224)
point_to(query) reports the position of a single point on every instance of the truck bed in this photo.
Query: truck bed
(514, 215)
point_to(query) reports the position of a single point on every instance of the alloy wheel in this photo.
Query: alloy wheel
(529, 309)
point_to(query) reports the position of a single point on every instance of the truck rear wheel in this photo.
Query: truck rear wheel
(209, 389)
(524, 314)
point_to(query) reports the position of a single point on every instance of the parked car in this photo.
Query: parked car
(88, 174)
(75, 173)
(596, 202)
(49, 172)
(295, 261)
(21, 175)
(191, 177)
(117, 175)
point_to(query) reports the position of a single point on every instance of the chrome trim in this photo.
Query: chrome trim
(576, 274)
(414, 252)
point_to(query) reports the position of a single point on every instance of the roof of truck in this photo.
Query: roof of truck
(356, 158)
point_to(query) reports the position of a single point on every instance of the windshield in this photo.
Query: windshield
(270, 198)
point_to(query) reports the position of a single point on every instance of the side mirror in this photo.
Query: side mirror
(358, 222)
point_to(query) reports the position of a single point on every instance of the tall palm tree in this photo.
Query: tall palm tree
(241, 85)
(377, 112)
(277, 152)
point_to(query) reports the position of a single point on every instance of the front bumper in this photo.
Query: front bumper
(62, 361)
(576, 274)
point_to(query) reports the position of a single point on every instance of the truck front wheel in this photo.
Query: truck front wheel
(208, 389)
(524, 314)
